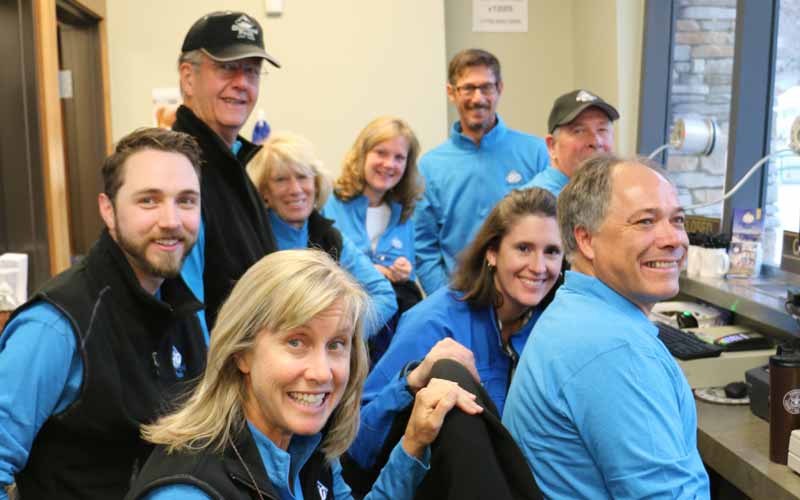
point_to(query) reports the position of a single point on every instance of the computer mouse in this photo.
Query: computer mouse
(686, 320)
(736, 390)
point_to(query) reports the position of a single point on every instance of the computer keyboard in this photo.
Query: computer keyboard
(684, 345)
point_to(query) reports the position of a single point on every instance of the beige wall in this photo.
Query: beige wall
(593, 44)
(537, 66)
(344, 63)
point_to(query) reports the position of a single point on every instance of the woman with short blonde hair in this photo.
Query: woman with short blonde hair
(279, 401)
(290, 178)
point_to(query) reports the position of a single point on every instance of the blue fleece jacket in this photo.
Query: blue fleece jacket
(463, 182)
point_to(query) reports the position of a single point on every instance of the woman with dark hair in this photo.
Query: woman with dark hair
(482, 320)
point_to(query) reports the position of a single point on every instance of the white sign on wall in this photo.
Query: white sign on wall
(500, 16)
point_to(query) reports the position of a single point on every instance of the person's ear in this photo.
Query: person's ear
(106, 207)
(187, 78)
(550, 140)
(451, 93)
(491, 257)
(243, 362)
(583, 238)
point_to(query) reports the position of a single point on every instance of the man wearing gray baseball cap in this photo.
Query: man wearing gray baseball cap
(579, 126)
(221, 67)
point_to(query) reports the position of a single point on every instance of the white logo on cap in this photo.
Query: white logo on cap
(245, 27)
(584, 96)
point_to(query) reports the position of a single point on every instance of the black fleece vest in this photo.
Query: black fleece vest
(237, 228)
(130, 374)
(322, 235)
(222, 476)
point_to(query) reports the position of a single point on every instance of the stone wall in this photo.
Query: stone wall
(702, 69)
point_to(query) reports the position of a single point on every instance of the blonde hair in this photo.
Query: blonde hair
(289, 152)
(272, 296)
(350, 183)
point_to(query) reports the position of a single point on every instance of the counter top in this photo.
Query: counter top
(759, 299)
(735, 443)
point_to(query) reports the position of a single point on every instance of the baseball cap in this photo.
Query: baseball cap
(227, 36)
(571, 104)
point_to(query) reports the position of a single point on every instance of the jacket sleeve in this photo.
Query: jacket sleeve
(398, 480)
(411, 253)
(385, 394)
(542, 155)
(377, 286)
(41, 371)
(428, 247)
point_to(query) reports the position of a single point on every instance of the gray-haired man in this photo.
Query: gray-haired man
(220, 68)
(598, 405)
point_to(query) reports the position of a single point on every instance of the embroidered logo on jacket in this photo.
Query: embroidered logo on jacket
(513, 177)
(396, 243)
(322, 490)
(177, 363)
(245, 28)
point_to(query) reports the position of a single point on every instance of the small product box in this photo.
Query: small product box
(746, 248)
(14, 273)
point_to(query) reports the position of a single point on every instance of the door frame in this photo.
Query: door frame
(50, 124)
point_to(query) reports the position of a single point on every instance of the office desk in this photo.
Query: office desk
(735, 443)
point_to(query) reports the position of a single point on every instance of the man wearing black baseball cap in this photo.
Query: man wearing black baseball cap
(580, 126)
(220, 69)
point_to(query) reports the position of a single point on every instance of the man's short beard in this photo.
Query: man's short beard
(138, 254)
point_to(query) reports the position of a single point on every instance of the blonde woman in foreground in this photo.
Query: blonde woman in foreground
(279, 401)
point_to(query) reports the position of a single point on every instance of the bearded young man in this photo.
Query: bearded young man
(106, 345)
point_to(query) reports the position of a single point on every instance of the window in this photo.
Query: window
(783, 180)
(701, 76)
(735, 61)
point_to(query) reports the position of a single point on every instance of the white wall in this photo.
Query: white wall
(343, 63)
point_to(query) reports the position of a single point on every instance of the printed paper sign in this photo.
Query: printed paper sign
(500, 16)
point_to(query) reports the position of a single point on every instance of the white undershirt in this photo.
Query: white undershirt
(377, 222)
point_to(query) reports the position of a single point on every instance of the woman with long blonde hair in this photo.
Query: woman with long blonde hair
(372, 204)
(279, 401)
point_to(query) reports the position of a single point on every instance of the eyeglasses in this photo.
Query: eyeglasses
(229, 69)
(487, 89)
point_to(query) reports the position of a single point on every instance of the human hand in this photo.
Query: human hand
(446, 348)
(385, 271)
(431, 405)
(401, 270)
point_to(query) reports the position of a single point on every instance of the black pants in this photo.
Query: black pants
(474, 456)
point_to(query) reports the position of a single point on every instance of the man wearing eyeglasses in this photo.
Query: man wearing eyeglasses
(468, 174)
(220, 69)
